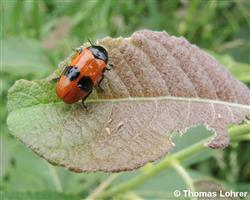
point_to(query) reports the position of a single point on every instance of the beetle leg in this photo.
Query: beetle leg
(55, 79)
(108, 67)
(83, 100)
(65, 69)
(99, 82)
(78, 50)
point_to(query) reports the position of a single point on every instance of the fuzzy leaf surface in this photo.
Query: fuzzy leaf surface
(158, 84)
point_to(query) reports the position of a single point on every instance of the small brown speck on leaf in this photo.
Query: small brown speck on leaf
(108, 130)
(120, 125)
(110, 120)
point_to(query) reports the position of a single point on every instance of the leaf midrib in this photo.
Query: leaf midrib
(158, 98)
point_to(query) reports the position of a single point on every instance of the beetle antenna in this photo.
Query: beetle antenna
(90, 42)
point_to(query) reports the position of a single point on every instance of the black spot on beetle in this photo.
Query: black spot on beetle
(85, 83)
(71, 72)
(99, 53)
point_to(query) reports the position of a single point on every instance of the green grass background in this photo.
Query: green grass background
(37, 34)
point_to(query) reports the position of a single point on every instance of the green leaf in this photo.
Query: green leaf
(27, 167)
(24, 57)
(5, 158)
(19, 163)
(48, 195)
(190, 137)
(240, 70)
(31, 93)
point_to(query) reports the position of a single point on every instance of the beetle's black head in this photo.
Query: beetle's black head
(99, 53)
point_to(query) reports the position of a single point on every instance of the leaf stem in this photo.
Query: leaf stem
(55, 178)
(101, 187)
(242, 137)
(144, 176)
(237, 131)
(184, 174)
(181, 155)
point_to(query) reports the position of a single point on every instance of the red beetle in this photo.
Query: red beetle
(85, 71)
